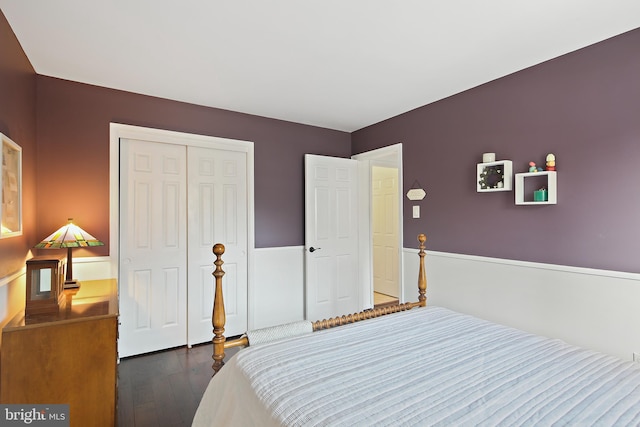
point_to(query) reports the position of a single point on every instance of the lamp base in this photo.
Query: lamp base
(71, 284)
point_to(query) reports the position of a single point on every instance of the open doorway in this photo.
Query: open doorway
(380, 174)
(385, 237)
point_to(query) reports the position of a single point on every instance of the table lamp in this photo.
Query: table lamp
(69, 236)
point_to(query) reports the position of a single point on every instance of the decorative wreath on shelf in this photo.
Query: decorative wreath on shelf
(491, 177)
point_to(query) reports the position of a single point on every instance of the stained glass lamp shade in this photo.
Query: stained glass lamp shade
(69, 236)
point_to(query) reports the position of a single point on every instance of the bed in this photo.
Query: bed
(422, 365)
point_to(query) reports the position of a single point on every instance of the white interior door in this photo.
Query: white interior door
(153, 270)
(331, 237)
(385, 199)
(217, 214)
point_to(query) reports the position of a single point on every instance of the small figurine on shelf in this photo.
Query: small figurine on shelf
(533, 168)
(551, 162)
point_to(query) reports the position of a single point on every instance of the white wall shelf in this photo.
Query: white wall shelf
(494, 176)
(527, 183)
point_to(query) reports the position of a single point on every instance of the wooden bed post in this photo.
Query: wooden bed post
(218, 318)
(422, 276)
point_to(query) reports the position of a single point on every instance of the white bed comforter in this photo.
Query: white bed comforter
(428, 366)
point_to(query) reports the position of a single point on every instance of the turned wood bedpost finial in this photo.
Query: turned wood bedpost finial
(218, 317)
(422, 277)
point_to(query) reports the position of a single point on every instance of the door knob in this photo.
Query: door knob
(312, 249)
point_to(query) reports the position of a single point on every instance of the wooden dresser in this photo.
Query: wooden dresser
(68, 358)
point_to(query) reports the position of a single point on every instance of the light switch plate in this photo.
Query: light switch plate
(416, 211)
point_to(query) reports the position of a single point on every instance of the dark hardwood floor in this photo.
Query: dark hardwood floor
(163, 388)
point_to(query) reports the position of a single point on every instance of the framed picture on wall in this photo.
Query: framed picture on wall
(11, 185)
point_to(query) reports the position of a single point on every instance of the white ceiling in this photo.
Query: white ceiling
(339, 64)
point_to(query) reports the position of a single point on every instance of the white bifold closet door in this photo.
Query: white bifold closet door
(176, 202)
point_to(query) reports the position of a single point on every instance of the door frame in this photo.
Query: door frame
(118, 130)
(385, 156)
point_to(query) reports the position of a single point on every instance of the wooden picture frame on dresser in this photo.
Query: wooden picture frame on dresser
(45, 285)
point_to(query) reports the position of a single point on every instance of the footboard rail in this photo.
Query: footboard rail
(220, 343)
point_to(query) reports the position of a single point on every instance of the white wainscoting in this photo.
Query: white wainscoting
(92, 268)
(277, 290)
(12, 295)
(278, 286)
(596, 309)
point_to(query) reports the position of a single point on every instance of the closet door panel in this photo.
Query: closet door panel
(153, 246)
(217, 212)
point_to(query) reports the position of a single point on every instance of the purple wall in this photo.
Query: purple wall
(585, 108)
(18, 122)
(73, 123)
